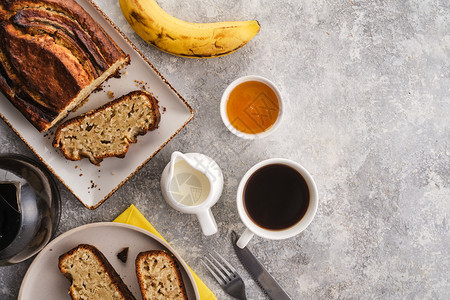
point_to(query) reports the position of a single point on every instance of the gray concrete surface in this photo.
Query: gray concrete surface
(367, 91)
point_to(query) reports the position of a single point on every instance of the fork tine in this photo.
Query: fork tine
(219, 280)
(217, 270)
(225, 274)
(226, 263)
(222, 268)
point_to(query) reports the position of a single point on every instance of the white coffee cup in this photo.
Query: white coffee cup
(253, 228)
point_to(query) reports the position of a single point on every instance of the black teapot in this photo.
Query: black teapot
(29, 208)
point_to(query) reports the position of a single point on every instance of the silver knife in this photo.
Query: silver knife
(258, 272)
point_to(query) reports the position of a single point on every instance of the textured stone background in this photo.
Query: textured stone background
(367, 92)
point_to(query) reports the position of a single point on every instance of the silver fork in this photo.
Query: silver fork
(227, 276)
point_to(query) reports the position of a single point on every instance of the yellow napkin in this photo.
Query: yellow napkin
(134, 217)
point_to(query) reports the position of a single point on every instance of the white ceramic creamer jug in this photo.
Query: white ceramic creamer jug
(192, 183)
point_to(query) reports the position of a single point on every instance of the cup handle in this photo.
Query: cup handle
(245, 238)
(207, 222)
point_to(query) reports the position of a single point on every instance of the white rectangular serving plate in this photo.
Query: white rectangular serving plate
(91, 184)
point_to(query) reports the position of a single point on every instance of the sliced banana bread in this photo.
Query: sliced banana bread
(108, 130)
(159, 276)
(91, 275)
(53, 54)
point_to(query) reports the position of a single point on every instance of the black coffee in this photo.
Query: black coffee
(276, 197)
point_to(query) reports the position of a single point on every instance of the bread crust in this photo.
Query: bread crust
(97, 159)
(50, 50)
(102, 260)
(147, 255)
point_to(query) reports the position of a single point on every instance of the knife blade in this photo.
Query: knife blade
(258, 272)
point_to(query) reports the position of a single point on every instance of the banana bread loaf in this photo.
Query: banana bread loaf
(53, 54)
(159, 276)
(108, 130)
(91, 275)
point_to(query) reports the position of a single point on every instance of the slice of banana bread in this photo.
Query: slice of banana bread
(91, 275)
(159, 276)
(108, 130)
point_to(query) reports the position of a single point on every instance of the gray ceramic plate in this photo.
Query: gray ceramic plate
(43, 279)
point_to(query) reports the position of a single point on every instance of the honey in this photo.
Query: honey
(252, 107)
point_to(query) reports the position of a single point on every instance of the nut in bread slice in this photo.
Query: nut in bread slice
(159, 276)
(91, 275)
(108, 130)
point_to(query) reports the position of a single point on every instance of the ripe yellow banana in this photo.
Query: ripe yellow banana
(195, 40)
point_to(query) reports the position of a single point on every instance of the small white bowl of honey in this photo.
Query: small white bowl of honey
(251, 107)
